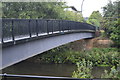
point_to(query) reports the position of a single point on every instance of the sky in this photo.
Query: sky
(88, 6)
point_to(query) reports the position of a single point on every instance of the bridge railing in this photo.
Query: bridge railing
(16, 29)
(31, 77)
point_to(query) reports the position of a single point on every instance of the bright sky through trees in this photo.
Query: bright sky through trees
(88, 6)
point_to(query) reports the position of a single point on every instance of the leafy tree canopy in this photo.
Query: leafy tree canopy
(111, 21)
(95, 18)
(41, 10)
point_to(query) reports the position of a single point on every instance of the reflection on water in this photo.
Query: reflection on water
(61, 70)
(98, 71)
(29, 68)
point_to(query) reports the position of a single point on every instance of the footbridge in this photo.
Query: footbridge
(24, 38)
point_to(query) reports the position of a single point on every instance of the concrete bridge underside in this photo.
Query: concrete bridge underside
(16, 53)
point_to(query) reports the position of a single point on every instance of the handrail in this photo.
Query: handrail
(5, 76)
(15, 29)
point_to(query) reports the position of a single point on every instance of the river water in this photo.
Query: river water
(61, 70)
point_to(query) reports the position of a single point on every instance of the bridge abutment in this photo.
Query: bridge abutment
(82, 45)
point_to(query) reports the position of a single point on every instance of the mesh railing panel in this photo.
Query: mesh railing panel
(13, 29)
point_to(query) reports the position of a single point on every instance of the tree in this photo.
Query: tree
(111, 21)
(41, 10)
(73, 16)
(95, 18)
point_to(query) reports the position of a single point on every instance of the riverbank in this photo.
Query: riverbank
(86, 61)
(97, 52)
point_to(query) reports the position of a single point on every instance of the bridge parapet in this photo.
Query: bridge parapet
(19, 29)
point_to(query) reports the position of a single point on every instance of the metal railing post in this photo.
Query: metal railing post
(2, 33)
(68, 25)
(47, 27)
(29, 28)
(12, 32)
(2, 38)
(36, 27)
(62, 26)
(52, 27)
(4, 77)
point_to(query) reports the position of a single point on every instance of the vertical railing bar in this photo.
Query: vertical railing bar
(2, 32)
(59, 26)
(29, 28)
(24, 29)
(19, 25)
(52, 26)
(41, 30)
(43, 26)
(2, 37)
(47, 27)
(68, 25)
(12, 32)
(4, 77)
(62, 25)
(37, 28)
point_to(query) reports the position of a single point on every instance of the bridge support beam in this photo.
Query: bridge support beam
(19, 52)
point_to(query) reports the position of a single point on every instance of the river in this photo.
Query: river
(61, 70)
(29, 68)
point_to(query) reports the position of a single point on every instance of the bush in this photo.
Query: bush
(83, 69)
(99, 56)
(112, 74)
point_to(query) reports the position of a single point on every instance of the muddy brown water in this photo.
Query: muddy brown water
(59, 70)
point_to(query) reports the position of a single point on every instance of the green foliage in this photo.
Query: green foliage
(32, 9)
(99, 56)
(93, 22)
(41, 10)
(85, 60)
(115, 35)
(112, 74)
(83, 69)
(73, 16)
(54, 56)
(60, 55)
(103, 56)
(95, 18)
(111, 21)
(111, 9)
